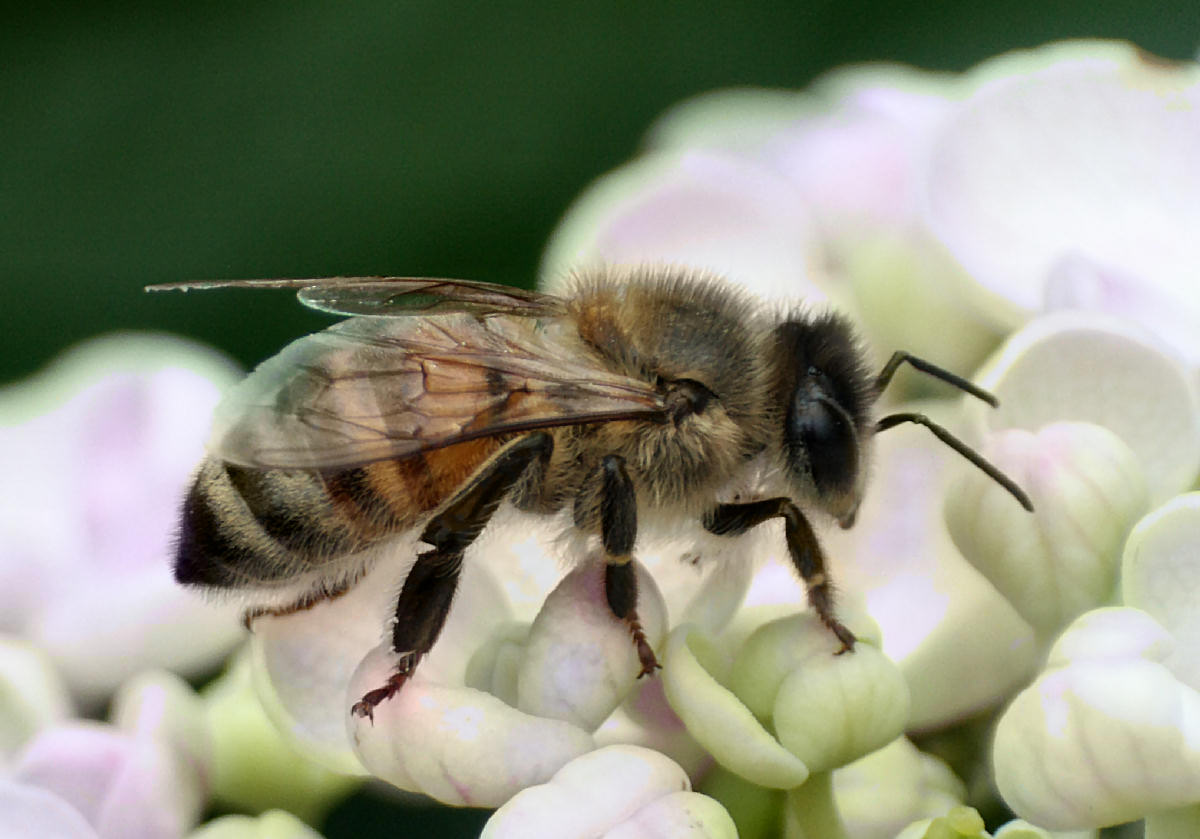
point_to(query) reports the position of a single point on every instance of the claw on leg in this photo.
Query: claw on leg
(365, 707)
(645, 652)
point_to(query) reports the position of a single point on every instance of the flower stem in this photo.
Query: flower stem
(811, 810)
(1174, 824)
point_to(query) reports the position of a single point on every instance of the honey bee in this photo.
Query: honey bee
(644, 393)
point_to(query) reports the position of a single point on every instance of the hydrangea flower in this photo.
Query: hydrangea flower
(100, 448)
(98, 451)
(1032, 215)
(145, 774)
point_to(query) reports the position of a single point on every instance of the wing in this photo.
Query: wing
(397, 296)
(370, 389)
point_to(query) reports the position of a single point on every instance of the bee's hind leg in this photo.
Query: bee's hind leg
(428, 589)
(618, 532)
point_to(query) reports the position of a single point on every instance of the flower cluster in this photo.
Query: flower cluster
(1025, 220)
(99, 449)
(1026, 223)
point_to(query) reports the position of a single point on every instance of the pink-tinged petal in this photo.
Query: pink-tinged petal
(160, 705)
(589, 796)
(304, 662)
(857, 156)
(580, 661)
(126, 786)
(101, 450)
(28, 811)
(1089, 367)
(646, 719)
(1113, 634)
(1076, 282)
(1076, 148)
(458, 745)
(717, 213)
(1160, 574)
(32, 695)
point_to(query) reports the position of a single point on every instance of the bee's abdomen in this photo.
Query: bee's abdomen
(245, 527)
(253, 527)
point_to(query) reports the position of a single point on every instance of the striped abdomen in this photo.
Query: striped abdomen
(262, 527)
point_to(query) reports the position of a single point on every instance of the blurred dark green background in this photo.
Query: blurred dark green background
(147, 143)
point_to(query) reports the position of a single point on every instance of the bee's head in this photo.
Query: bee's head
(825, 394)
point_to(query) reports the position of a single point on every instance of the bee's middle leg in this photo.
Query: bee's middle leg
(428, 590)
(618, 532)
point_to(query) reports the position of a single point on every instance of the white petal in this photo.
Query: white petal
(687, 815)
(1111, 634)
(303, 664)
(27, 810)
(589, 795)
(1161, 575)
(737, 120)
(305, 661)
(881, 793)
(1093, 368)
(1072, 148)
(456, 744)
(163, 626)
(718, 719)
(1075, 282)
(579, 660)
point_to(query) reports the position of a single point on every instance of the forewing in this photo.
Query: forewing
(371, 389)
(398, 296)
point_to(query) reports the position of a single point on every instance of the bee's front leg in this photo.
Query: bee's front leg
(428, 591)
(803, 548)
(618, 532)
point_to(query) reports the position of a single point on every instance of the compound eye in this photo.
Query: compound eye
(820, 435)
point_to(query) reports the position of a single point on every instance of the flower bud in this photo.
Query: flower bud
(1086, 488)
(718, 719)
(618, 791)
(1063, 748)
(273, 824)
(836, 709)
(1161, 576)
(32, 694)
